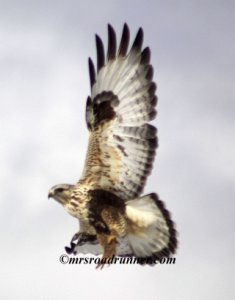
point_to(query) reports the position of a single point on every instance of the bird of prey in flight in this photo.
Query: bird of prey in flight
(115, 219)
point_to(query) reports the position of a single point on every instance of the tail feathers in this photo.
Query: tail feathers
(151, 231)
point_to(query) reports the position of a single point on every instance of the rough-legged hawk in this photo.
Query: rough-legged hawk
(114, 218)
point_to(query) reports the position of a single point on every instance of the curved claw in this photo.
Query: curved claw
(68, 250)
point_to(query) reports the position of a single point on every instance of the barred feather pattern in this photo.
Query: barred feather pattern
(122, 143)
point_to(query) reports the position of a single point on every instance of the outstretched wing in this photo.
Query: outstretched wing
(122, 144)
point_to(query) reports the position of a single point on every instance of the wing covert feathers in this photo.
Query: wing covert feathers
(122, 144)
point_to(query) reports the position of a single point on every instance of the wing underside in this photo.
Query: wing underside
(122, 143)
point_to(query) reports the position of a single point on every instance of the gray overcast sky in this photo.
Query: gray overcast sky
(44, 46)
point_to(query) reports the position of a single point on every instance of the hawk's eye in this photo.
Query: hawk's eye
(60, 190)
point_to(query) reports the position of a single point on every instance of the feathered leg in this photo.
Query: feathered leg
(108, 242)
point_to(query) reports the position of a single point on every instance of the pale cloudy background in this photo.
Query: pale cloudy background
(44, 46)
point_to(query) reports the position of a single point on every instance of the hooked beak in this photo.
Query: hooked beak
(50, 194)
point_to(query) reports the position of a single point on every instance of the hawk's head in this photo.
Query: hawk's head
(61, 193)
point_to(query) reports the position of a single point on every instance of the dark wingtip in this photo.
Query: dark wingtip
(91, 72)
(154, 101)
(100, 52)
(149, 74)
(145, 56)
(137, 44)
(152, 89)
(111, 53)
(124, 40)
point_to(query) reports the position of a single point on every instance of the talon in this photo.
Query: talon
(68, 250)
(102, 263)
(100, 266)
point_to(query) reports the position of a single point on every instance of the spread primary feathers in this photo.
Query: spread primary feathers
(114, 218)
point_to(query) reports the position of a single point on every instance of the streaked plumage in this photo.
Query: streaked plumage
(121, 151)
